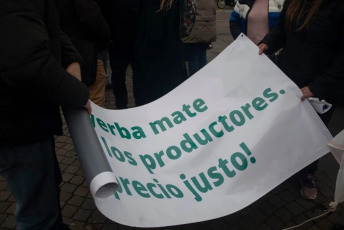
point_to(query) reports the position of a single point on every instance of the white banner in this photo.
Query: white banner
(337, 148)
(214, 145)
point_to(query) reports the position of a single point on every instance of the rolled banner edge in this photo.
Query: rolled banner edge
(103, 185)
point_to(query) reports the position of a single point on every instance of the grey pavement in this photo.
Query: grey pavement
(280, 208)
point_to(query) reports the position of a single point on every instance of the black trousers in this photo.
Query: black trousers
(33, 175)
(120, 56)
(313, 167)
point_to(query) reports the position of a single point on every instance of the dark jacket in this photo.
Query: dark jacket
(313, 57)
(121, 16)
(84, 23)
(33, 82)
(238, 19)
(158, 64)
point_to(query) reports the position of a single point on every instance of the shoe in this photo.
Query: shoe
(308, 189)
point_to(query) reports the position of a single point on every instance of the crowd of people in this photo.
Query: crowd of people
(54, 53)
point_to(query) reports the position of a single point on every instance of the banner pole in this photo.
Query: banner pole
(97, 169)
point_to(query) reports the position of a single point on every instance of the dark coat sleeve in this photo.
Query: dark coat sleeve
(275, 39)
(330, 82)
(69, 53)
(155, 22)
(92, 20)
(27, 61)
(150, 30)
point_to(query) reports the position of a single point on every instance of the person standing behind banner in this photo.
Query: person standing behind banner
(159, 65)
(203, 32)
(36, 62)
(121, 16)
(84, 23)
(311, 34)
(254, 18)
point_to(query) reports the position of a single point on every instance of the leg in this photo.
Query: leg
(191, 53)
(202, 49)
(104, 56)
(97, 89)
(119, 61)
(140, 86)
(33, 176)
(310, 169)
(313, 167)
(307, 175)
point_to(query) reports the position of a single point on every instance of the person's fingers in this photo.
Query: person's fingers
(262, 48)
(306, 94)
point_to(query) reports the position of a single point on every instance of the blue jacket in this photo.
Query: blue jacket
(238, 19)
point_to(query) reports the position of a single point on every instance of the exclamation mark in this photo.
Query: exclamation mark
(248, 152)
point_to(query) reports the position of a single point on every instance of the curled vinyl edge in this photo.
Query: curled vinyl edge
(103, 185)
